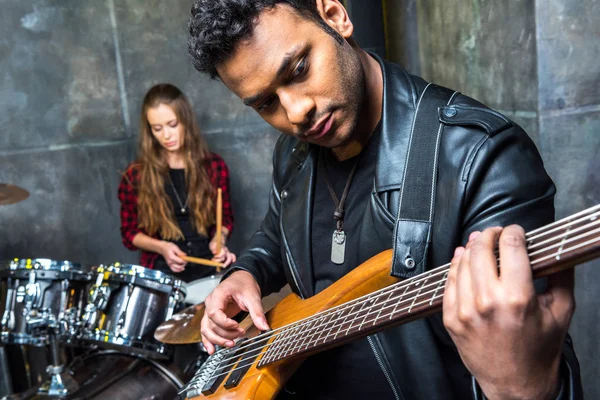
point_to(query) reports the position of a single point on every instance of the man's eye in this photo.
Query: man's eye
(266, 104)
(300, 68)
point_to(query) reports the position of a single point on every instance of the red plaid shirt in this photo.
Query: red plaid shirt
(219, 176)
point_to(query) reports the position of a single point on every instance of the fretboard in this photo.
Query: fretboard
(553, 248)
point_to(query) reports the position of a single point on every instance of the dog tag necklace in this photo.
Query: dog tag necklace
(338, 240)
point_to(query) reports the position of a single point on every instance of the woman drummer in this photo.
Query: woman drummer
(168, 196)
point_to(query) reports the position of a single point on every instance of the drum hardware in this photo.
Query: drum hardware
(175, 299)
(54, 386)
(40, 296)
(126, 304)
(123, 317)
(8, 317)
(97, 301)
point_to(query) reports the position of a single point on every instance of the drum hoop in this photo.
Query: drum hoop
(46, 264)
(117, 339)
(23, 339)
(142, 273)
(22, 273)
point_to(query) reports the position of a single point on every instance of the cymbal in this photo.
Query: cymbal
(184, 326)
(10, 194)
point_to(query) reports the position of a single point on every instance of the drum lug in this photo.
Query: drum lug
(123, 316)
(32, 291)
(174, 298)
(97, 300)
(8, 317)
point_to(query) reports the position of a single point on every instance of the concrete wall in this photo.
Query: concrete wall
(73, 77)
(536, 61)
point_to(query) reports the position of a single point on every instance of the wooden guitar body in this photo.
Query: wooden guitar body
(266, 382)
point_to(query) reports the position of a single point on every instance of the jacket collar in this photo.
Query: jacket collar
(398, 110)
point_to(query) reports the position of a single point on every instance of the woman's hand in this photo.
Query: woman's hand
(172, 253)
(224, 256)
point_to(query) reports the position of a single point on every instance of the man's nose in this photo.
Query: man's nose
(297, 106)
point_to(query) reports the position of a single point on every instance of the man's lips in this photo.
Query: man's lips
(320, 128)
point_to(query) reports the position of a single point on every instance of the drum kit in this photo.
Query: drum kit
(105, 332)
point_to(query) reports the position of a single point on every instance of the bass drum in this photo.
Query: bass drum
(117, 376)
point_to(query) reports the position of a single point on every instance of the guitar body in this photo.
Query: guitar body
(265, 382)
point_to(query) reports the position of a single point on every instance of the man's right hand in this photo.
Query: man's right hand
(239, 292)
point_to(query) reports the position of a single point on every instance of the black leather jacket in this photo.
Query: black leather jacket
(490, 174)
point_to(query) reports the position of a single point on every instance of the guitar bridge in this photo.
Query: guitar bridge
(210, 372)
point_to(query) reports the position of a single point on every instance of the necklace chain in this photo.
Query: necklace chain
(183, 206)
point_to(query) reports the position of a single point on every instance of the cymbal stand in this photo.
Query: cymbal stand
(54, 386)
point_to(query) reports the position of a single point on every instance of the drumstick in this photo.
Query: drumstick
(203, 261)
(219, 221)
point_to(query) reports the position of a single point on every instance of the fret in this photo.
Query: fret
(318, 329)
(275, 348)
(418, 292)
(331, 322)
(341, 326)
(371, 303)
(440, 284)
(307, 333)
(290, 340)
(383, 306)
(400, 299)
(333, 325)
(562, 243)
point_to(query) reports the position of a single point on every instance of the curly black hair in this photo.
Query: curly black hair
(216, 26)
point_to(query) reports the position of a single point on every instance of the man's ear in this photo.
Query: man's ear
(336, 16)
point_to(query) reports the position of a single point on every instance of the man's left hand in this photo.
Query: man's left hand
(509, 337)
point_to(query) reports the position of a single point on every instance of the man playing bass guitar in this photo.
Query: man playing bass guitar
(337, 199)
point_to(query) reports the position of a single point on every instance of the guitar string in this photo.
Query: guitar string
(402, 284)
(353, 303)
(253, 358)
(430, 300)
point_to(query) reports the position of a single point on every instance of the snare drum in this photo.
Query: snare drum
(125, 306)
(37, 295)
(198, 290)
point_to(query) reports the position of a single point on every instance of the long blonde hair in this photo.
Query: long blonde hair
(155, 208)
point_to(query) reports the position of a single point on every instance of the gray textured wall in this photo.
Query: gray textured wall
(536, 61)
(73, 77)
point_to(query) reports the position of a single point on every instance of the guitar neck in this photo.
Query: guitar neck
(553, 248)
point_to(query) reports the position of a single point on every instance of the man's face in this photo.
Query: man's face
(298, 77)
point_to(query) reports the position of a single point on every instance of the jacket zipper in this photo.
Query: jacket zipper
(383, 368)
(294, 275)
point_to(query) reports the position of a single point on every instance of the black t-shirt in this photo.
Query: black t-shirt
(194, 244)
(183, 218)
(350, 371)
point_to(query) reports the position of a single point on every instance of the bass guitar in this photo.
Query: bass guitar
(363, 302)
